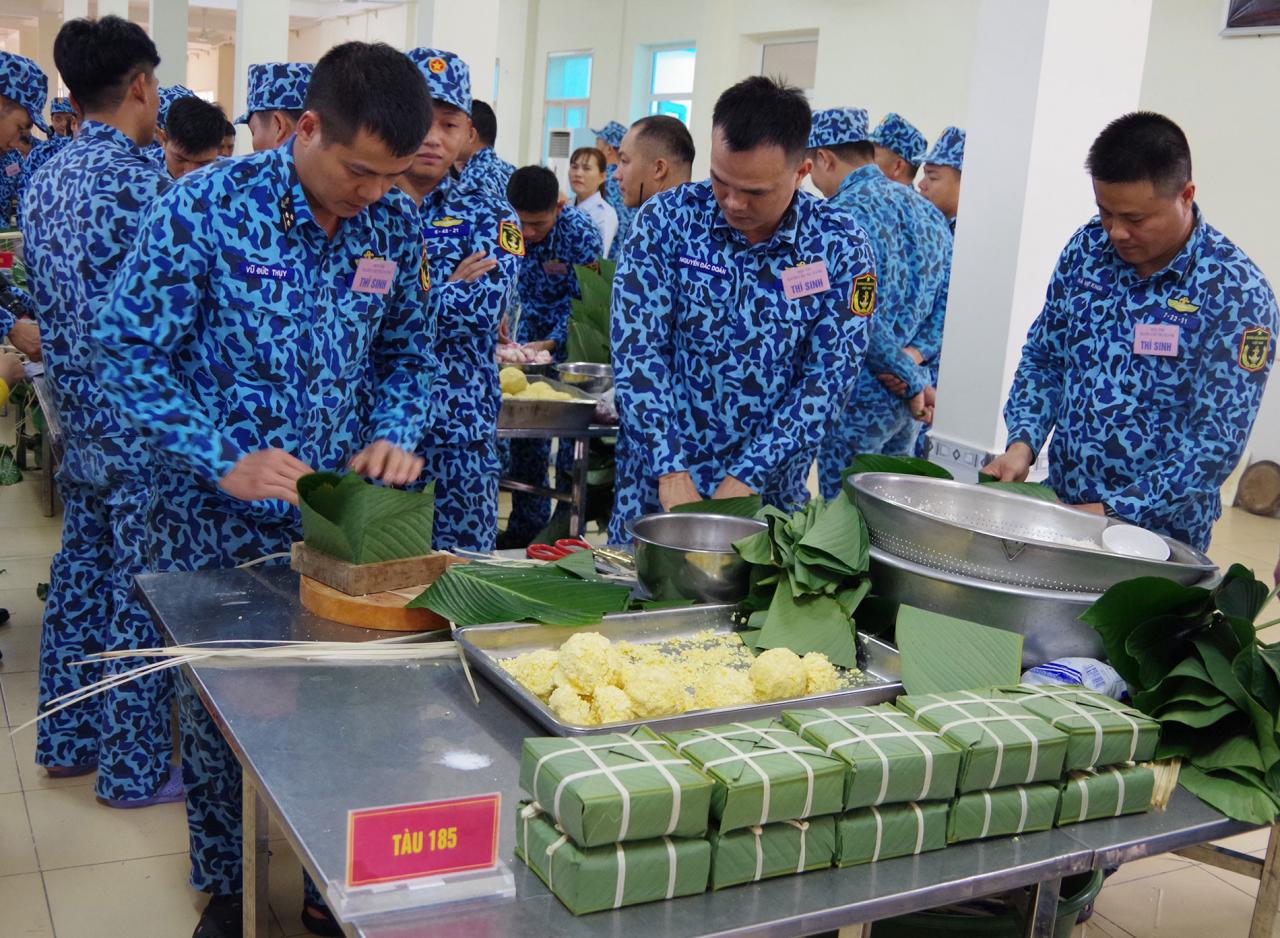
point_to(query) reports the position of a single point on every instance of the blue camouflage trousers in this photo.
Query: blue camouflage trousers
(466, 506)
(529, 464)
(90, 608)
(198, 529)
(874, 421)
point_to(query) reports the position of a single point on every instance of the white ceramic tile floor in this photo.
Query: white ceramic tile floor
(70, 867)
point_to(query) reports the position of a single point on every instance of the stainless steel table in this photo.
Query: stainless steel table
(318, 740)
(50, 445)
(577, 494)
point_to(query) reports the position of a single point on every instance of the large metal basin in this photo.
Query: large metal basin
(987, 534)
(691, 556)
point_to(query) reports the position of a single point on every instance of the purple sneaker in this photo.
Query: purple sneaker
(169, 792)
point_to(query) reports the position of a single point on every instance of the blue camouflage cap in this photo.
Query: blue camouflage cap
(948, 149)
(23, 83)
(896, 133)
(276, 86)
(837, 125)
(169, 94)
(611, 133)
(448, 77)
(61, 106)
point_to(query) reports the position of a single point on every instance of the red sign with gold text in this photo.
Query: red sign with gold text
(409, 841)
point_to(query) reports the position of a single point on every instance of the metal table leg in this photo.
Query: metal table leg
(578, 504)
(1043, 909)
(255, 834)
(1267, 904)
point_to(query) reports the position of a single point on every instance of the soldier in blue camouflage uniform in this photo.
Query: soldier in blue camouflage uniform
(943, 165)
(168, 94)
(556, 238)
(274, 102)
(1150, 357)
(483, 168)
(62, 118)
(81, 215)
(269, 321)
(608, 139)
(912, 256)
(900, 148)
(730, 358)
(23, 88)
(473, 244)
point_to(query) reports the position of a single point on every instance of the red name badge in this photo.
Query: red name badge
(410, 841)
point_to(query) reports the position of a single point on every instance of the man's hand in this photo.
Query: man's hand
(25, 336)
(922, 405)
(545, 345)
(677, 488)
(504, 329)
(11, 372)
(1093, 508)
(730, 487)
(268, 473)
(914, 353)
(386, 463)
(472, 267)
(1013, 466)
(893, 384)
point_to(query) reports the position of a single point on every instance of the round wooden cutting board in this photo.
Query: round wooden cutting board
(374, 611)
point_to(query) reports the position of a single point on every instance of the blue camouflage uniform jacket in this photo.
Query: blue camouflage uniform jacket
(913, 266)
(81, 215)
(547, 280)
(487, 171)
(233, 326)
(10, 178)
(458, 219)
(626, 216)
(40, 154)
(1151, 436)
(717, 372)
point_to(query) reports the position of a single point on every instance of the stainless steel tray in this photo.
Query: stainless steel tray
(485, 645)
(984, 533)
(548, 415)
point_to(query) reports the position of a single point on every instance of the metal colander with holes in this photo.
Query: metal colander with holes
(980, 533)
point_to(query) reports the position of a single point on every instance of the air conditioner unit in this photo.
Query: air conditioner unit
(559, 146)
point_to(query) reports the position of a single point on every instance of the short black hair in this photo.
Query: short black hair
(668, 135)
(370, 86)
(98, 58)
(848, 152)
(1142, 146)
(761, 111)
(228, 128)
(195, 125)
(533, 189)
(485, 122)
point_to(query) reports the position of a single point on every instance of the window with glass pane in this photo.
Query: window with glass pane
(671, 70)
(568, 94)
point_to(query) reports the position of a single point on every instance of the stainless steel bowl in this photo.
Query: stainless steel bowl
(586, 376)
(988, 534)
(528, 368)
(691, 556)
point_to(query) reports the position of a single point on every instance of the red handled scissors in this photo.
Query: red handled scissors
(557, 551)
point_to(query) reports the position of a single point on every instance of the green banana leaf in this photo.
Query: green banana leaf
(595, 287)
(585, 342)
(902, 465)
(747, 506)
(810, 623)
(941, 654)
(480, 594)
(1029, 489)
(354, 520)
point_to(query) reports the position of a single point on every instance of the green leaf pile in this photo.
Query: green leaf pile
(588, 332)
(902, 465)
(808, 575)
(353, 520)
(1193, 661)
(1029, 489)
(484, 593)
(941, 654)
(747, 506)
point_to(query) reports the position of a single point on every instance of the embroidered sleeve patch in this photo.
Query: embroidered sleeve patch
(424, 271)
(510, 238)
(862, 301)
(1255, 345)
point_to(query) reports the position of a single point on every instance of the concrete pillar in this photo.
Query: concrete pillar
(262, 35)
(421, 22)
(226, 92)
(118, 8)
(169, 33)
(1048, 75)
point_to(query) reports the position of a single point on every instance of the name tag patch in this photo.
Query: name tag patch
(373, 275)
(805, 280)
(1088, 283)
(1156, 339)
(264, 271)
(13, 169)
(693, 263)
(555, 268)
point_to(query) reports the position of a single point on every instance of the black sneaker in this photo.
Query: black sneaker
(318, 920)
(223, 917)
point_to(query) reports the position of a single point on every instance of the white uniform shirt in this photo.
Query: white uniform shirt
(605, 218)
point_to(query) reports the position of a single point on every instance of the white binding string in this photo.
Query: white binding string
(1026, 807)
(1081, 779)
(986, 813)
(673, 860)
(803, 828)
(919, 827)
(1119, 792)
(621, 888)
(757, 832)
(875, 853)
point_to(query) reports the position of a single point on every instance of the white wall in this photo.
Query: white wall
(390, 25)
(202, 71)
(1224, 93)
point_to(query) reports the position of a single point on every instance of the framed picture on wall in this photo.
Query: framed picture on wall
(1251, 17)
